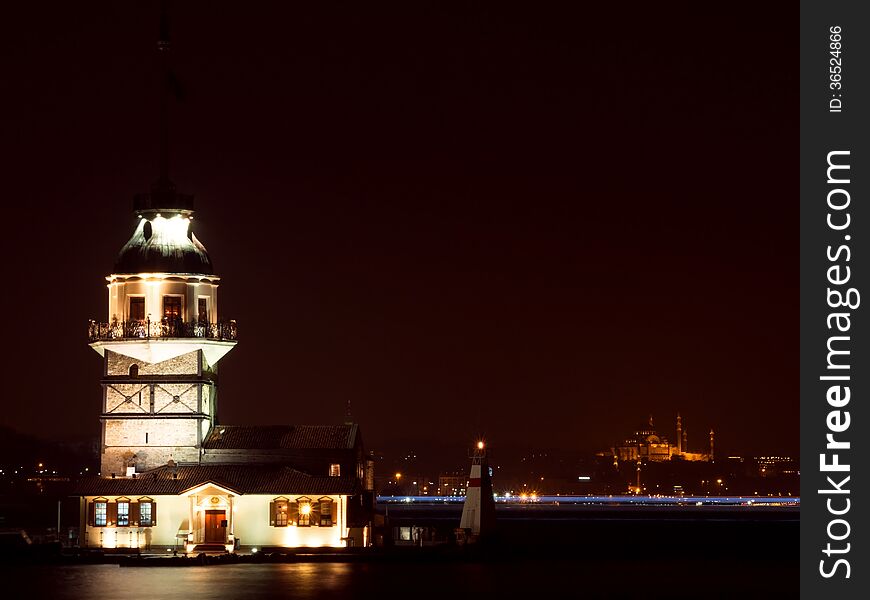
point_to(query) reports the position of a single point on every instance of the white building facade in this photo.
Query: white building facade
(220, 508)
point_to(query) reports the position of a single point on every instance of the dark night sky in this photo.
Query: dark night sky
(534, 223)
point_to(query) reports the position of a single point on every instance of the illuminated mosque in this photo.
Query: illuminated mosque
(647, 444)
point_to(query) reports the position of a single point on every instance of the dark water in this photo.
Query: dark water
(646, 577)
(543, 555)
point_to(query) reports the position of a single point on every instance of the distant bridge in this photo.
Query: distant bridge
(606, 500)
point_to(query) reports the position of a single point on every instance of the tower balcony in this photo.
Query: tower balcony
(163, 329)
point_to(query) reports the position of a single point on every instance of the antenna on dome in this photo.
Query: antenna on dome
(163, 196)
(164, 46)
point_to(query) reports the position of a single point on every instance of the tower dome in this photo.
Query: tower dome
(163, 244)
(163, 241)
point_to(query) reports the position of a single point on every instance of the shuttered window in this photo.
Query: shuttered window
(146, 513)
(123, 512)
(326, 512)
(280, 512)
(101, 510)
(304, 512)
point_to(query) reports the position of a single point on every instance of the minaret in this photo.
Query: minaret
(679, 434)
(711, 445)
(685, 440)
(348, 416)
(478, 511)
(162, 339)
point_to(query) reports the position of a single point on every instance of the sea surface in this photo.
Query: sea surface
(542, 553)
(642, 576)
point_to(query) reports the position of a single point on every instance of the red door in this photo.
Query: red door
(215, 527)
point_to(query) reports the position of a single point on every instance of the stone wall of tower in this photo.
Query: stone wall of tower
(114, 461)
(153, 398)
(124, 443)
(154, 412)
(186, 364)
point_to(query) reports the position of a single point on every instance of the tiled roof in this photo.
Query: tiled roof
(280, 437)
(242, 479)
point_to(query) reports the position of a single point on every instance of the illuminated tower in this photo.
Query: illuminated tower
(679, 434)
(162, 340)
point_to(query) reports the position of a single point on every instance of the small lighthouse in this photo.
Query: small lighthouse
(478, 512)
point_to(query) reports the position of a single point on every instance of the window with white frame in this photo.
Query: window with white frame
(123, 513)
(146, 513)
(101, 512)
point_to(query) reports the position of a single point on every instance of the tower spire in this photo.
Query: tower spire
(163, 197)
(163, 53)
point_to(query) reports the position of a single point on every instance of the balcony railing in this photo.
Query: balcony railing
(165, 328)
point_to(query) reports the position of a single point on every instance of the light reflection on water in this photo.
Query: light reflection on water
(96, 582)
(550, 577)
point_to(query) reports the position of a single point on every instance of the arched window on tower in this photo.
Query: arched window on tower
(134, 370)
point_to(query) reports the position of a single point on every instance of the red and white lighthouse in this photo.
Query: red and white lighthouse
(478, 512)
